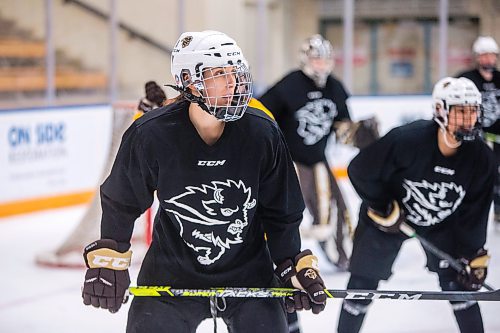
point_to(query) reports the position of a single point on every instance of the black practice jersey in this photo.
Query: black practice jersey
(305, 113)
(490, 91)
(434, 191)
(216, 202)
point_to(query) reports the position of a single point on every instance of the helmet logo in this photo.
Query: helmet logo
(186, 40)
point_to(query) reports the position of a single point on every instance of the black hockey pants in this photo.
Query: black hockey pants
(183, 315)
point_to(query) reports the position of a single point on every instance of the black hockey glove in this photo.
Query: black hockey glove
(107, 278)
(475, 270)
(155, 97)
(303, 274)
(388, 220)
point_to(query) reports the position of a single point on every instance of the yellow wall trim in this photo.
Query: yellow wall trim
(31, 205)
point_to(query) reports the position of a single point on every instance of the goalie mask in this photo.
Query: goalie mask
(209, 69)
(463, 95)
(316, 59)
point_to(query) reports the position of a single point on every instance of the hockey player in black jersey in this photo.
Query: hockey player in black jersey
(438, 177)
(224, 178)
(486, 77)
(305, 103)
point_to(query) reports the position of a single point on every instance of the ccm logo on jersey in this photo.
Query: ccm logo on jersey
(444, 171)
(211, 163)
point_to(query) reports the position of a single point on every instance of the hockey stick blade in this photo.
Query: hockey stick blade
(157, 291)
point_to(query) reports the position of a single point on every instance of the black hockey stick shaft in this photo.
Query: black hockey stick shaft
(167, 291)
(453, 262)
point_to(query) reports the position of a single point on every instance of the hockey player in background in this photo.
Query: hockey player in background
(223, 177)
(486, 77)
(306, 103)
(438, 176)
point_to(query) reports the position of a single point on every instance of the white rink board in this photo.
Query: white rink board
(391, 111)
(52, 151)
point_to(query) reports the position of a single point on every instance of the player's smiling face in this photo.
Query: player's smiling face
(220, 83)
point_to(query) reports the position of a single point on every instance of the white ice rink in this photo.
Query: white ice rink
(44, 300)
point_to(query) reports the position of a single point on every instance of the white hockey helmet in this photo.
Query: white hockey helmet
(450, 91)
(313, 48)
(196, 52)
(485, 44)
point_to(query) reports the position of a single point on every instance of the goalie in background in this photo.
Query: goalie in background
(306, 103)
(69, 252)
(438, 176)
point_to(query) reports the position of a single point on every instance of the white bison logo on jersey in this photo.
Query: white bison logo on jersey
(212, 217)
(315, 120)
(428, 204)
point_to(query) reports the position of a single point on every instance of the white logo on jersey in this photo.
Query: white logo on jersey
(314, 94)
(429, 204)
(491, 107)
(444, 171)
(212, 217)
(315, 120)
(211, 163)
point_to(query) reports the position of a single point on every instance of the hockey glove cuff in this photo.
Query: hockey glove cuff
(107, 278)
(389, 220)
(303, 273)
(475, 270)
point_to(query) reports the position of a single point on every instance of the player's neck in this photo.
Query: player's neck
(488, 76)
(208, 127)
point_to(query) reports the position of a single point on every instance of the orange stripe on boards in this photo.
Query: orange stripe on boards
(339, 172)
(32, 205)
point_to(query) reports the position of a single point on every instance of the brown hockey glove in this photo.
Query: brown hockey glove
(475, 270)
(107, 278)
(388, 220)
(303, 274)
(155, 97)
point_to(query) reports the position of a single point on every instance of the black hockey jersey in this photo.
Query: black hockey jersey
(434, 191)
(216, 202)
(305, 113)
(490, 91)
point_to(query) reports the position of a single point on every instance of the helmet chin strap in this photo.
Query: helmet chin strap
(444, 132)
(191, 97)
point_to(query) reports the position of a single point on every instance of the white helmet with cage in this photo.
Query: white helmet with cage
(194, 54)
(316, 59)
(456, 91)
(485, 44)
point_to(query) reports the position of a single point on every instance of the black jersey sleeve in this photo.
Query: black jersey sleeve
(341, 101)
(128, 190)
(273, 100)
(370, 171)
(473, 213)
(281, 204)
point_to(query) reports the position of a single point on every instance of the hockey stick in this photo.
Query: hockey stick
(157, 291)
(454, 263)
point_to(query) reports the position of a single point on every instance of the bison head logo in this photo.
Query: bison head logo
(212, 217)
(430, 203)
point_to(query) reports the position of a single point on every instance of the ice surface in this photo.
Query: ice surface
(36, 299)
